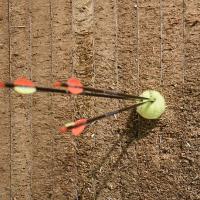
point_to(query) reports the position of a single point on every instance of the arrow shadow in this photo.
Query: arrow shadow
(136, 129)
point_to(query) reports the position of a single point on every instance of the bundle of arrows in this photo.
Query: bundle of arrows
(150, 104)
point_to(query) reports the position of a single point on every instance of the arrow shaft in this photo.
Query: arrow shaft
(105, 92)
(53, 90)
(9, 85)
(108, 114)
(112, 113)
(86, 93)
(113, 96)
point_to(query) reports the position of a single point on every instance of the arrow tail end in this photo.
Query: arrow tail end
(2, 85)
(63, 129)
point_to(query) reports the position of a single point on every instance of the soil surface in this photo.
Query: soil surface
(127, 46)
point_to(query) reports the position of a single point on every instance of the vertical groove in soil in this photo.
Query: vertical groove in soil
(5, 126)
(31, 99)
(64, 158)
(20, 105)
(105, 151)
(42, 123)
(149, 52)
(170, 143)
(130, 46)
(51, 97)
(189, 156)
(128, 81)
(82, 13)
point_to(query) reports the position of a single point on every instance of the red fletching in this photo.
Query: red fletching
(63, 129)
(2, 84)
(24, 82)
(80, 122)
(57, 84)
(78, 130)
(74, 86)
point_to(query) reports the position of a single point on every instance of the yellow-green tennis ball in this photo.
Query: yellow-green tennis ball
(153, 109)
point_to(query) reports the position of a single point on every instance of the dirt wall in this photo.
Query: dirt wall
(130, 46)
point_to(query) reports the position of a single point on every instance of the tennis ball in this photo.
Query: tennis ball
(154, 108)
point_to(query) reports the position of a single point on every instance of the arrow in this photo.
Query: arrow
(79, 126)
(74, 86)
(25, 86)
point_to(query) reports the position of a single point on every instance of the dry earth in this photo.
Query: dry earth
(130, 45)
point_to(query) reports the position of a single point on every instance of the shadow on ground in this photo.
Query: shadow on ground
(136, 129)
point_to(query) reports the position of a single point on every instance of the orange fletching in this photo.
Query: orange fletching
(80, 122)
(78, 130)
(63, 129)
(2, 84)
(24, 82)
(57, 84)
(74, 86)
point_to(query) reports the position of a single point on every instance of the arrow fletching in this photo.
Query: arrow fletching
(24, 86)
(80, 126)
(63, 129)
(24, 82)
(66, 126)
(76, 127)
(2, 84)
(74, 86)
(57, 84)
